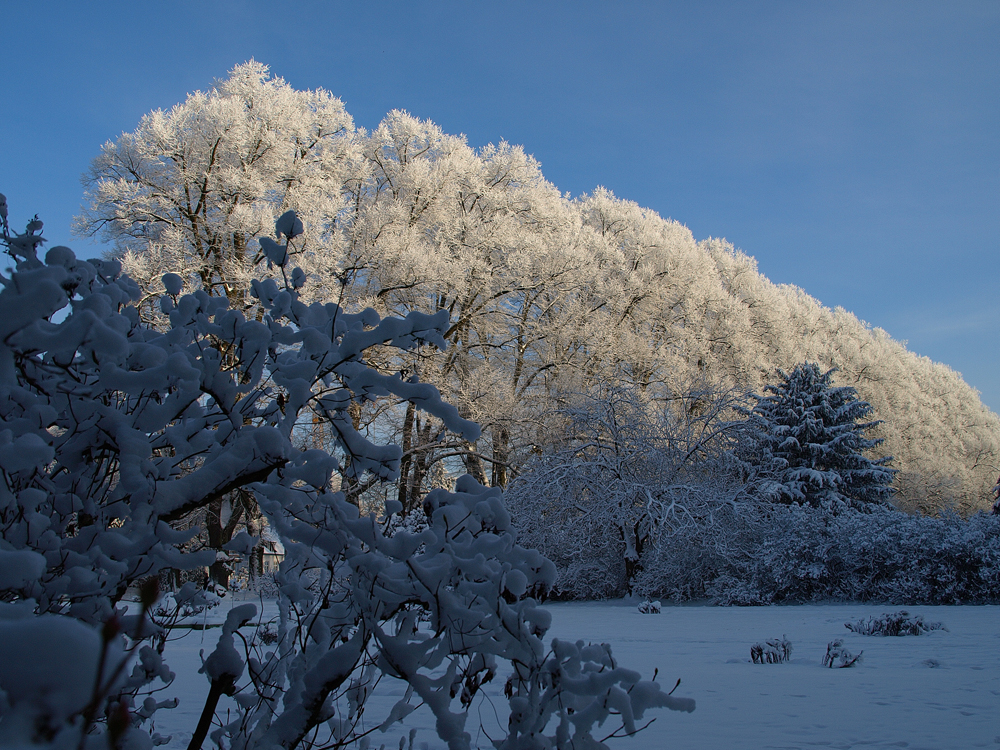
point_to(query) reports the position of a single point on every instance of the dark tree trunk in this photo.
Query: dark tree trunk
(501, 454)
(220, 534)
(352, 486)
(473, 465)
(404, 494)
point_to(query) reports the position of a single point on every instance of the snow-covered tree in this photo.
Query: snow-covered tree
(437, 225)
(627, 476)
(112, 429)
(192, 189)
(806, 442)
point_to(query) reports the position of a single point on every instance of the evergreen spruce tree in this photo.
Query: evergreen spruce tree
(806, 439)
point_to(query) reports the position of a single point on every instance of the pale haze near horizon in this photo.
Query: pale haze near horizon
(851, 149)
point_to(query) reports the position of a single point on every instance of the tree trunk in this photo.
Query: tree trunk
(221, 531)
(473, 465)
(634, 543)
(501, 455)
(351, 486)
(404, 494)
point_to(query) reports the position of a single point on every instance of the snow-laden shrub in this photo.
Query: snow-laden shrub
(762, 554)
(113, 431)
(649, 608)
(894, 624)
(187, 602)
(48, 668)
(774, 651)
(838, 656)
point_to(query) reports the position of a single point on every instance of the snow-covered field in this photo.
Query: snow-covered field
(939, 690)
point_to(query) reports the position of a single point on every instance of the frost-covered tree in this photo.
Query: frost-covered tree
(627, 476)
(192, 189)
(806, 440)
(436, 225)
(112, 429)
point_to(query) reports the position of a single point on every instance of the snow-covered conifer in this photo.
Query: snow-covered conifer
(806, 441)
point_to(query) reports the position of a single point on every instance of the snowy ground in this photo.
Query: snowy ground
(935, 691)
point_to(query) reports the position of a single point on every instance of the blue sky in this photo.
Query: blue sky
(853, 148)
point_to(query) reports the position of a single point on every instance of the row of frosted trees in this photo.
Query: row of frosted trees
(548, 298)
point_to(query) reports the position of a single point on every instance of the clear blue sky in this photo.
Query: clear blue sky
(853, 148)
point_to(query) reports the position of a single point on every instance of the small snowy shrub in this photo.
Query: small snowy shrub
(774, 651)
(187, 602)
(649, 608)
(267, 633)
(838, 656)
(894, 623)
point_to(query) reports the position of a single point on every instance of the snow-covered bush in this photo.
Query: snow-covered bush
(49, 666)
(774, 651)
(647, 501)
(838, 656)
(893, 624)
(762, 554)
(189, 601)
(113, 430)
(648, 607)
